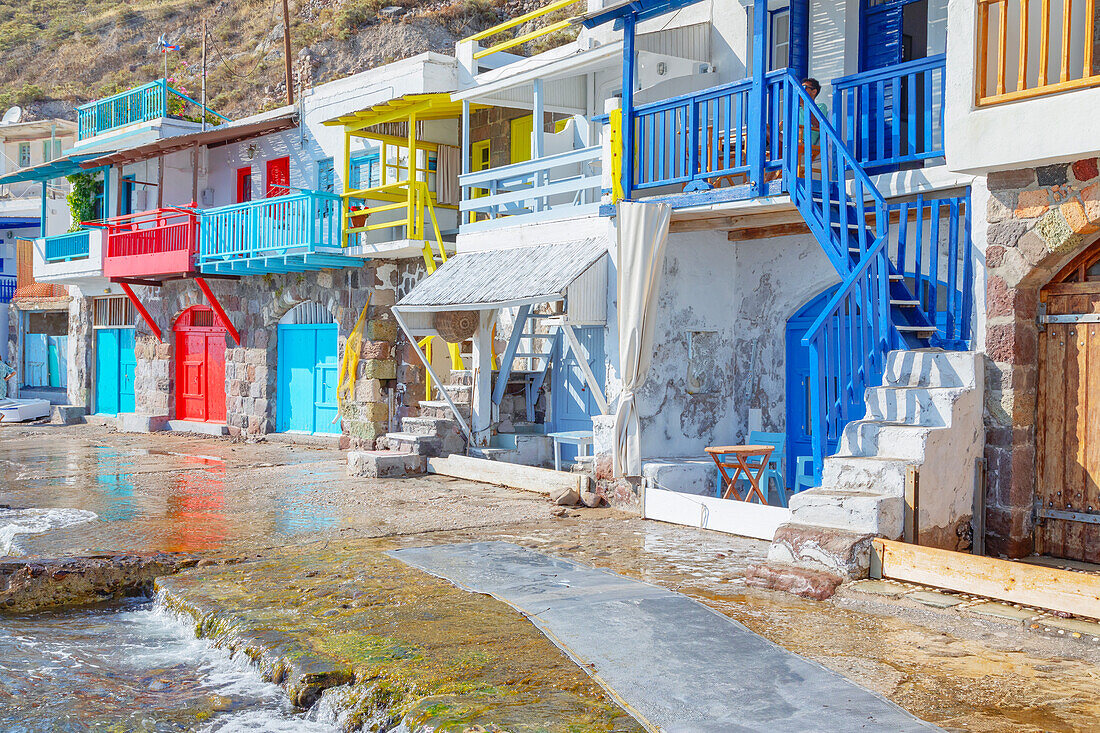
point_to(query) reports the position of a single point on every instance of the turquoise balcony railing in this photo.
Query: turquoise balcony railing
(293, 233)
(66, 247)
(148, 102)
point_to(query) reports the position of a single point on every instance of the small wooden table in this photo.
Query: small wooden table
(580, 438)
(741, 455)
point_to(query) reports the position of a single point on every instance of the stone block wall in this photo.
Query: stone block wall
(255, 305)
(1039, 219)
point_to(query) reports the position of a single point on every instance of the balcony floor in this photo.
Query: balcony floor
(282, 263)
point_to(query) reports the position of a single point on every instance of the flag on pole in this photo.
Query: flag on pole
(165, 46)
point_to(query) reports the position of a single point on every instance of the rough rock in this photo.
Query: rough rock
(39, 585)
(816, 584)
(565, 495)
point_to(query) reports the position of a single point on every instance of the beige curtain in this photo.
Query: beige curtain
(448, 166)
(643, 234)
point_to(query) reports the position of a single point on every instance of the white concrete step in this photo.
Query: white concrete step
(853, 511)
(431, 426)
(384, 463)
(930, 368)
(883, 439)
(927, 406)
(461, 394)
(865, 473)
(421, 445)
(440, 409)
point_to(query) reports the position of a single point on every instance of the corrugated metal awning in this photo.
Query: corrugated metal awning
(66, 165)
(503, 278)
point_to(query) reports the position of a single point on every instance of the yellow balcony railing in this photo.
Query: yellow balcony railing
(523, 37)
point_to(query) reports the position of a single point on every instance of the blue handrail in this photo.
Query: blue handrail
(296, 223)
(894, 115)
(66, 247)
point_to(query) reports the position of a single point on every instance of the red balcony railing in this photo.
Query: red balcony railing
(151, 244)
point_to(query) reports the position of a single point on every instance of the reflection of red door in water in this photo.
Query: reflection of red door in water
(200, 366)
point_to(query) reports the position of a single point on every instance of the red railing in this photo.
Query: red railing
(158, 242)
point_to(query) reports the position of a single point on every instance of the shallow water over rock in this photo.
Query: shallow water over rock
(131, 667)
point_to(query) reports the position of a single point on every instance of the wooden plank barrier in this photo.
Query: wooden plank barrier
(1005, 580)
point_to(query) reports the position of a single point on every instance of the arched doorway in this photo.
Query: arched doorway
(200, 366)
(1068, 421)
(307, 371)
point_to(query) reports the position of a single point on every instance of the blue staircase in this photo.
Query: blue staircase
(874, 310)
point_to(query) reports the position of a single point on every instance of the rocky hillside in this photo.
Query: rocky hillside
(55, 54)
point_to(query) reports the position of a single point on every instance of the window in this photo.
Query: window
(365, 171)
(24, 155)
(779, 33)
(326, 176)
(113, 312)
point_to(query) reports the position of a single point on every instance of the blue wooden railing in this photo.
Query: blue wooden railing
(65, 247)
(297, 223)
(148, 102)
(534, 190)
(931, 247)
(702, 139)
(892, 116)
(7, 288)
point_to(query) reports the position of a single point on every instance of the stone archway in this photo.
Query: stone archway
(1039, 220)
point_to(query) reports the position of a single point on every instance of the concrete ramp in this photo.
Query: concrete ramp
(673, 663)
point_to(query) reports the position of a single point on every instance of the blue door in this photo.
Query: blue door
(798, 382)
(574, 406)
(114, 371)
(36, 359)
(307, 379)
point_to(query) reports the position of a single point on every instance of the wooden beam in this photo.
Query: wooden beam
(141, 310)
(1004, 580)
(780, 230)
(219, 312)
(512, 475)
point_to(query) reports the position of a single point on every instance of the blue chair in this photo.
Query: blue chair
(803, 474)
(774, 469)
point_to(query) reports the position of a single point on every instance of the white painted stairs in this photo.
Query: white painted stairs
(434, 433)
(929, 414)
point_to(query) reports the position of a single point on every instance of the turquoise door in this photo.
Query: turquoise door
(574, 406)
(307, 376)
(114, 369)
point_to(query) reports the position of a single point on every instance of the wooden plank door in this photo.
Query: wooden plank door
(573, 403)
(191, 374)
(1068, 439)
(106, 371)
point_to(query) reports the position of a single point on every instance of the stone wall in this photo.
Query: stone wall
(1039, 219)
(254, 305)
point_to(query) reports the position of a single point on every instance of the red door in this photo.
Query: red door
(244, 184)
(278, 177)
(200, 366)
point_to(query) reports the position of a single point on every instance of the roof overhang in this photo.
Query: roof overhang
(221, 135)
(640, 9)
(216, 137)
(66, 165)
(549, 67)
(436, 106)
(504, 278)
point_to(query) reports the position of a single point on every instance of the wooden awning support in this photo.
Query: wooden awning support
(219, 312)
(141, 309)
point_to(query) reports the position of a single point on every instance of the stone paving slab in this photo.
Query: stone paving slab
(935, 598)
(676, 664)
(1076, 625)
(1003, 610)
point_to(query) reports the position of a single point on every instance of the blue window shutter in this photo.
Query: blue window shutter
(326, 176)
(881, 36)
(800, 38)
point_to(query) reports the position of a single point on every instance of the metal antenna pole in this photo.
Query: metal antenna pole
(286, 53)
(203, 75)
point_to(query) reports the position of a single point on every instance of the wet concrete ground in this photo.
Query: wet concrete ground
(171, 492)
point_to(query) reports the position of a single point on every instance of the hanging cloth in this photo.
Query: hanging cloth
(642, 236)
(349, 366)
(448, 166)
